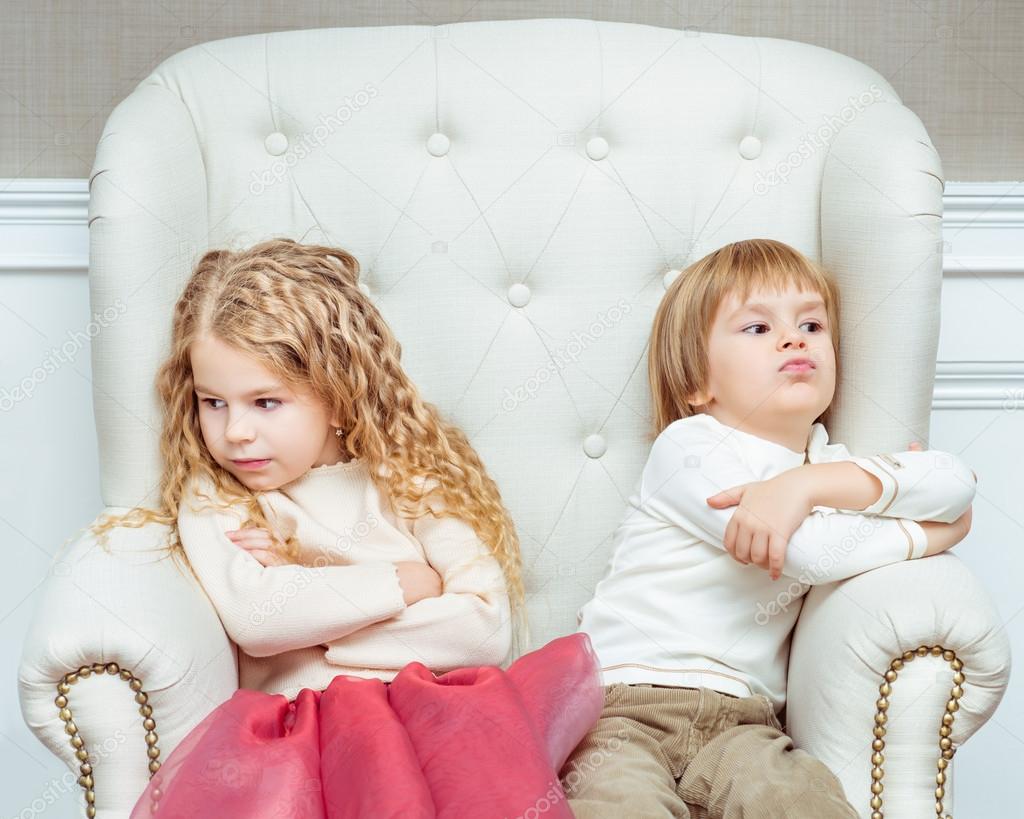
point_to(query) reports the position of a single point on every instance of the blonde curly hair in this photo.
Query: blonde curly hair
(298, 309)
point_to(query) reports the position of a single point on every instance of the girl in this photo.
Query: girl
(691, 627)
(351, 542)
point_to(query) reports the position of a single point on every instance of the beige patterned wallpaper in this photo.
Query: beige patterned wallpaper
(959, 65)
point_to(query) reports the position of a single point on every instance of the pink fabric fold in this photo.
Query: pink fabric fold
(474, 742)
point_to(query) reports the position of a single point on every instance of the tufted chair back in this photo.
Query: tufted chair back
(519, 194)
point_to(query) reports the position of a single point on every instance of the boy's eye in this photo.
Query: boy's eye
(761, 324)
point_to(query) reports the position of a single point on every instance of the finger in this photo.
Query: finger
(729, 539)
(725, 498)
(743, 544)
(759, 549)
(268, 558)
(776, 556)
(255, 538)
(250, 545)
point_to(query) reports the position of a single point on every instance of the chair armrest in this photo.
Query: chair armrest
(924, 623)
(149, 641)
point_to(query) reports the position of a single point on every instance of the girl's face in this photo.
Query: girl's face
(748, 347)
(246, 413)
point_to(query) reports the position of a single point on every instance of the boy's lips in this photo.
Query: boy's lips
(797, 365)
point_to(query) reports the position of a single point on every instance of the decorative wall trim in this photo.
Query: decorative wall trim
(964, 266)
(983, 205)
(44, 202)
(979, 385)
(44, 226)
(42, 263)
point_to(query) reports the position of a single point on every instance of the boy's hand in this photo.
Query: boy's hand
(260, 544)
(943, 536)
(768, 514)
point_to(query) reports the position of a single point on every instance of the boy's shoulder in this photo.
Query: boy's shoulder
(704, 430)
(694, 435)
(693, 428)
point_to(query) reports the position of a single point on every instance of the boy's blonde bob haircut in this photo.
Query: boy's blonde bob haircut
(677, 364)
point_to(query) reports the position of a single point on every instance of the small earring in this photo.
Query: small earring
(339, 432)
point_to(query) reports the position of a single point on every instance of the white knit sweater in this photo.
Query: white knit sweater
(674, 608)
(341, 609)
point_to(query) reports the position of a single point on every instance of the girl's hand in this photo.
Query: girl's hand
(418, 580)
(769, 512)
(260, 543)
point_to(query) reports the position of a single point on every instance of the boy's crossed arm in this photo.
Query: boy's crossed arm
(776, 525)
(929, 487)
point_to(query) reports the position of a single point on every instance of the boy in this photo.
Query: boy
(686, 622)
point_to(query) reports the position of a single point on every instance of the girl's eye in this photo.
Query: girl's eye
(207, 400)
(815, 323)
(752, 326)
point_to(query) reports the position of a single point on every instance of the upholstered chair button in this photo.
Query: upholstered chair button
(438, 144)
(594, 445)
(750, 147)
(669, 277)
(597, 148)
(519, 295)
(276, 143)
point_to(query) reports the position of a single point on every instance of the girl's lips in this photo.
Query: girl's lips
(252, 464)
(797, 368)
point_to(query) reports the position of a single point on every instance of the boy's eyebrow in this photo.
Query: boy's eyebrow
(763, 308)
(270, 388)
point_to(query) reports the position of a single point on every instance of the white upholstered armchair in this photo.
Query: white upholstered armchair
(519, 193)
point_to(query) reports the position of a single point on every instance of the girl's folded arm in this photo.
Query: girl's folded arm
(468, 624)
(682, 471)
(269, 610)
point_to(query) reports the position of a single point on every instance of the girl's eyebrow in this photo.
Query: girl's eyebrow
(270, 388)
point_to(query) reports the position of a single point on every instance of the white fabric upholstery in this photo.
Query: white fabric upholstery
(518, 193)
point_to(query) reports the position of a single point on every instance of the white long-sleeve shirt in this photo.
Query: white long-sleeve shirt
(341, 609)
(674, 608)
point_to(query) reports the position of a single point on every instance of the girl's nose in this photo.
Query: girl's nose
(238, 430)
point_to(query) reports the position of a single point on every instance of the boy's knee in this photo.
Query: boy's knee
(820, 797)
(804, 785)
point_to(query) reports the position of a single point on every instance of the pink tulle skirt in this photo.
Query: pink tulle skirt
(474, 742)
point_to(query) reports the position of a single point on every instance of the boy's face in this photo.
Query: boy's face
(748, 347)
(242, 420)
